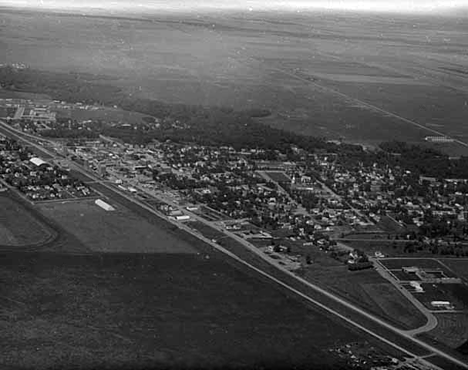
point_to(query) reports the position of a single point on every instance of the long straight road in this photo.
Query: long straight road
(334, 305)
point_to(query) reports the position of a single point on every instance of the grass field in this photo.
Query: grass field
(368, 290)
(135, 311)
(459, 266)
(18, 227)
(278, 176)
(117, 231)
(452, 329)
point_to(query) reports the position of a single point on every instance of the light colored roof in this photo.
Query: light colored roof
(104, 205)
(37, 161)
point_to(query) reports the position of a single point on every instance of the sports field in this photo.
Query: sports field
(117, 231)
(155, 311)
(18, 227)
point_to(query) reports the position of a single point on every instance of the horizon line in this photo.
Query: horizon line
(437, 7)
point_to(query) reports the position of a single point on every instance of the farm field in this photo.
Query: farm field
(129, 310)
(18, 227)
(103, 231)
(330, 75)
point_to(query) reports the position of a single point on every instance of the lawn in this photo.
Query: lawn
(154, 310)
(117, 231)
(18, 226)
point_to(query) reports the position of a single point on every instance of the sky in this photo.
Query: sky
(399, 6)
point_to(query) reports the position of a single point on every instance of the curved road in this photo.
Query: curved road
(431, 319)
(253, 249)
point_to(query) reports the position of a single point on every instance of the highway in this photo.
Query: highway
(337, 307)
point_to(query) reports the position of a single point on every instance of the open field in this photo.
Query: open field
(368, 290)
(333, 74)
(154, 311)
(278, 176)
(18, 227)
(459, 266)
(452, 329)
(117, 231)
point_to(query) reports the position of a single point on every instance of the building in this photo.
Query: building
(417, 286)
(105, 206)
(410, 270)
(180, 217)
(439, 139)
(38, 162)
(446, 305)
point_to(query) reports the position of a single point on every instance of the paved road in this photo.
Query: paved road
(317, 289)
(431, 319)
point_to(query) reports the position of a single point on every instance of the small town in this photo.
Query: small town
(234, 185)
(312, 199)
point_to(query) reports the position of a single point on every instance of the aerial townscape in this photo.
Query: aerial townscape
(144, 228)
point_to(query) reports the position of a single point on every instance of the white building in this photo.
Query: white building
(104, 205)
(442, 304)
(417, 286)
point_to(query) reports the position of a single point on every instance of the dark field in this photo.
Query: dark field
(366, 289)
(278, 176)
(403, 276)
(457, 294)
(428, 264)
(331, 74)
(18, 227)
(459, 266)
(117, 231)
(153, 310)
